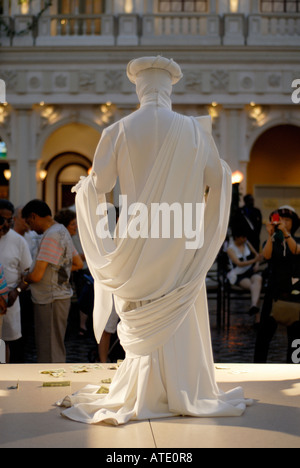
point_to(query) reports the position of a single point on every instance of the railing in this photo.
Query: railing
(274, 29)
(79, 28)
(151, 29)
(168, 27)
(6, 29)
(69, 25)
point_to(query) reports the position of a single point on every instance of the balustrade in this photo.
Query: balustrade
(274, 29)
(151, 29)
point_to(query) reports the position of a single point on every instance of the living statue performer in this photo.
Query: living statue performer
(158, 282)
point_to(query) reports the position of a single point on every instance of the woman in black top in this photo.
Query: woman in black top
(282, 251)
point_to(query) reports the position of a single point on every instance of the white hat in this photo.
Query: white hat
(287, 211)
(145, 63)
(287, 207)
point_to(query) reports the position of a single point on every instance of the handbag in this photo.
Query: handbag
(285, 312)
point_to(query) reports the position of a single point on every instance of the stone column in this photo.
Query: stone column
(255, 6)
(233, 125)
(15, 8)
(35, 6)
(54, 8)
(213, 7)
(149, 6)
(23, 181)
(109, 7)
(6, 8)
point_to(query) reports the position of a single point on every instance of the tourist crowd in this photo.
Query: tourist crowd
(43, 273)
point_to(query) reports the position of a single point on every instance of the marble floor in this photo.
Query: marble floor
(29, 417)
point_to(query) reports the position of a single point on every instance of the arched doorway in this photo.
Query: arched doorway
(63, 172)
(65, 182)
(273, 173)
(66, 155)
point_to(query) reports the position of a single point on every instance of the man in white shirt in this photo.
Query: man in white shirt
(15, 258)
(33, 241)
(21, 227)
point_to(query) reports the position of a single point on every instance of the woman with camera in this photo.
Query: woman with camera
(282, 299)
(285, 221)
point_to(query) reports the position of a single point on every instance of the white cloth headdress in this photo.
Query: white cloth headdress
(146, 63)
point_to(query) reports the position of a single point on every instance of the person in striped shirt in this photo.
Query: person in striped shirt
(49, 281)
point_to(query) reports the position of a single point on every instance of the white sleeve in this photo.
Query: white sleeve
(25, 255)
(105, 165)
(213, 170)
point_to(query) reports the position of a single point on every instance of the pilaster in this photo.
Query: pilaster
(232, 135)
(23, 181)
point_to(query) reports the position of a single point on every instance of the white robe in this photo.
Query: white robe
(158, 284)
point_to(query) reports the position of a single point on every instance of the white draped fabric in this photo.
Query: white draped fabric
(158, 283)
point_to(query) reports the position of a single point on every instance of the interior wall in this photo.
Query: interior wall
(273, 174)
(275, 158)
(72, 138)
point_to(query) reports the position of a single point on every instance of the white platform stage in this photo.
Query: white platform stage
(29, 418)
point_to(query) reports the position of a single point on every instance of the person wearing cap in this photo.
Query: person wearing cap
(287, 223)
(282, 251)
(162, 159)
